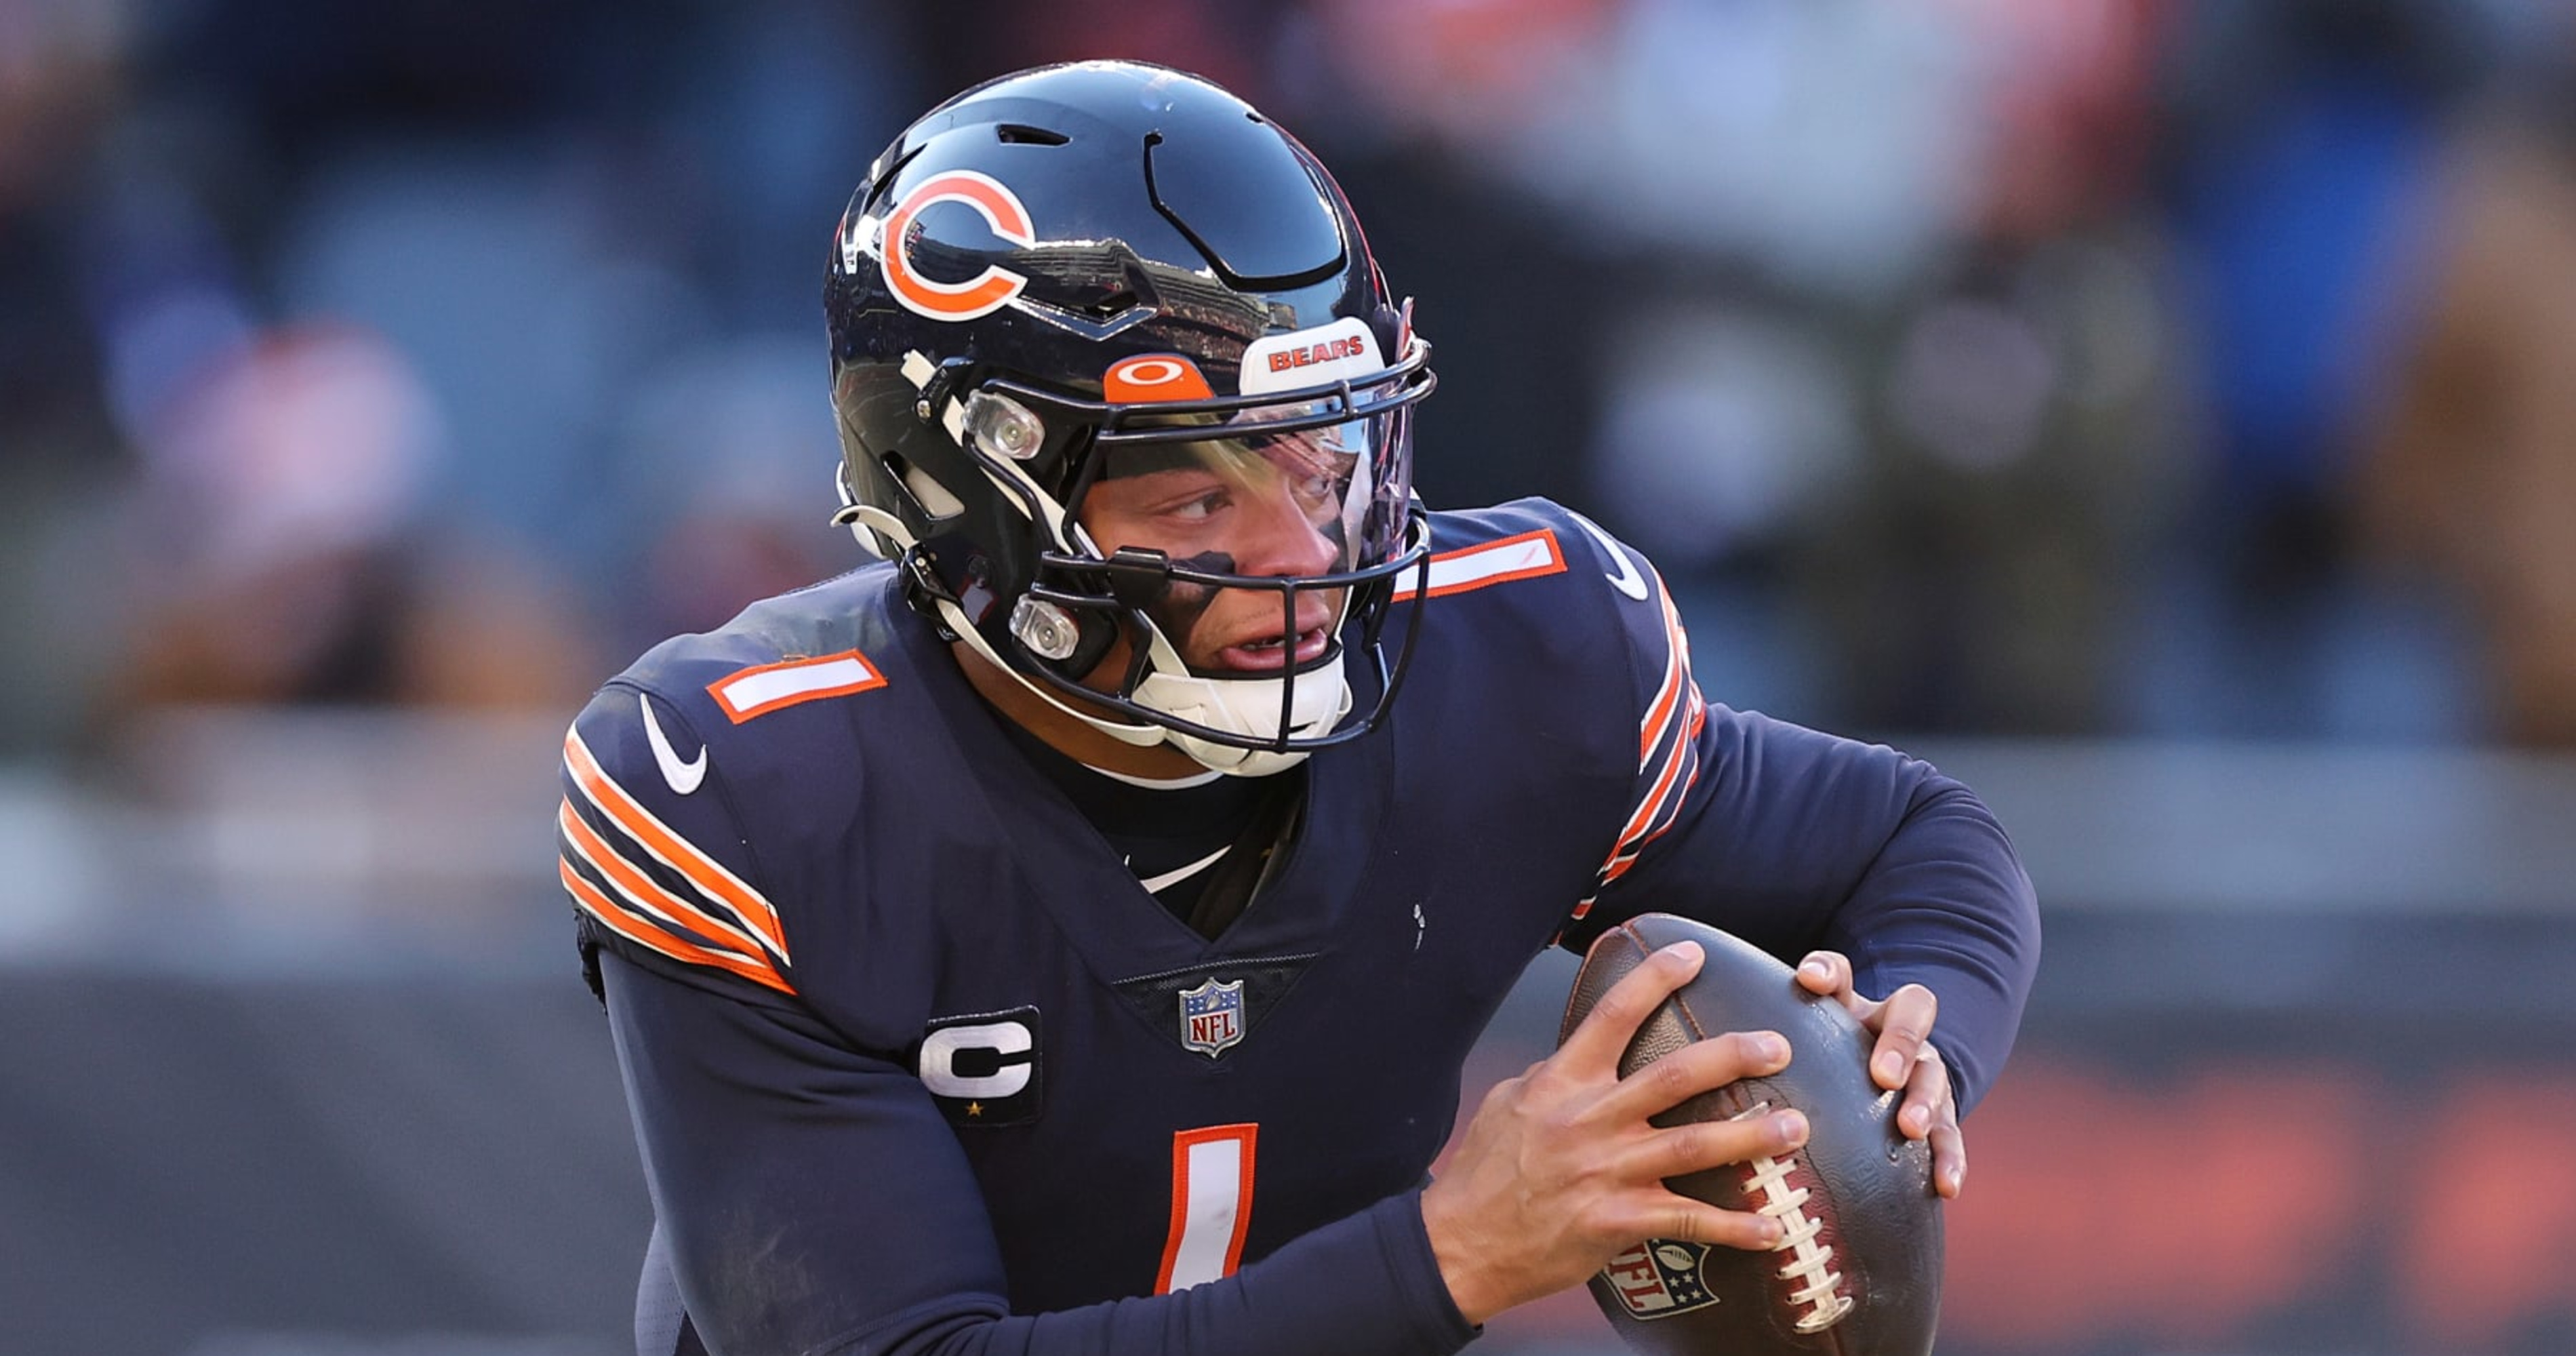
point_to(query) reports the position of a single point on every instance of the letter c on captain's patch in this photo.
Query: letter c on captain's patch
(944, 1051)
(982, 1068)
(980, 295)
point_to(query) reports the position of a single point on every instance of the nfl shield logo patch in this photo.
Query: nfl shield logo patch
(1657, 1279)
(1212, 1016)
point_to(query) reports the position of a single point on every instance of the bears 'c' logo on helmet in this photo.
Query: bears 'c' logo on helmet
(980, 295)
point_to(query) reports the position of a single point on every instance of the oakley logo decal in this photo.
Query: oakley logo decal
(980, 295)
(1154, 377)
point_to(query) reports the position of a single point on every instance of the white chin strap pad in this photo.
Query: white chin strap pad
(1248, 707)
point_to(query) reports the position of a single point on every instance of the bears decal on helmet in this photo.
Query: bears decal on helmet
(980, 295)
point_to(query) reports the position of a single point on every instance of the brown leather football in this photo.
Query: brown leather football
(1859, 1273)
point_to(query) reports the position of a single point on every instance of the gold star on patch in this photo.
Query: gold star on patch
(974, 1108)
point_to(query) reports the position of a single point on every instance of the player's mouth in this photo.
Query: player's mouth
(1275, 652)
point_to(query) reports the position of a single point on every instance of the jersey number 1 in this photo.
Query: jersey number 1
(1211, 1205)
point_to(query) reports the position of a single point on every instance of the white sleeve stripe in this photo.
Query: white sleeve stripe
(611, 915)
(619, 807)
(629, 882)
(1668, 742)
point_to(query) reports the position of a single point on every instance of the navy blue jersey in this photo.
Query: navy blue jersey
(916, 1064)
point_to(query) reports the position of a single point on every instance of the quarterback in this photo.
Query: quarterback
(1065, 933)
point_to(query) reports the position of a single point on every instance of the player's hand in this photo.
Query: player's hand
(1559, 1170)
(1903, 1058)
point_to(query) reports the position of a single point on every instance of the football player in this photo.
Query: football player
(1057, 937)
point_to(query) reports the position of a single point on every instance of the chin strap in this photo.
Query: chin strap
(1247, 707)
(1243, 706)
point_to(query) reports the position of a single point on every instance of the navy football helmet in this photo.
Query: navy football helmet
(1083, 273)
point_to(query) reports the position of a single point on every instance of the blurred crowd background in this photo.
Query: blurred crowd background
(2165, 410)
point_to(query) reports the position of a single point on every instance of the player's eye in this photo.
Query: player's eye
(1198, 507)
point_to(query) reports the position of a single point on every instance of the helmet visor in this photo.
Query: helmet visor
(1268, 503)
(1309, 501)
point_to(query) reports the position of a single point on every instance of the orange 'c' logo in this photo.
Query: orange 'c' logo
(980, 295)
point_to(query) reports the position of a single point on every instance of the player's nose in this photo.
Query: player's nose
(1279, 539)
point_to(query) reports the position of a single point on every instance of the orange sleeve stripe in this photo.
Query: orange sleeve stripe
(1676, 676)
(1650, 731)
(1677, 634)
(641, 890)
(642, 926)
(616, 920)
(1666, 814)
(1678, 714)
(1642, 827)
(702, 871)
(1653, 799)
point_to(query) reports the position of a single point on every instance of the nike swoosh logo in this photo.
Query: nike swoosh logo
(1627, 580)
(1155, 884)
(683, 777)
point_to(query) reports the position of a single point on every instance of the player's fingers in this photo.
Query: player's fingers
(1949, 1159)
(1825, 972)
(1829, 974)
(1606, 1030)
(1697, 1146)
(1660, 1214)
(1692, 1070)
(1927, 1095)
(1904, 1024)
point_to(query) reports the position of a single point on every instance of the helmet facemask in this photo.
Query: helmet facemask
(1209, 564)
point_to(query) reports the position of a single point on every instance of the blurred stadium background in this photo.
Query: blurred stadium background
(2162, 413)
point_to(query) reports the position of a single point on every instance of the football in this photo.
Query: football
(1859, 1272)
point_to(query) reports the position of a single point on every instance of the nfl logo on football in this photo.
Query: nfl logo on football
(1659, 1278)
(1212, 1017)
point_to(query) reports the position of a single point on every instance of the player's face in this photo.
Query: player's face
(1268, 507)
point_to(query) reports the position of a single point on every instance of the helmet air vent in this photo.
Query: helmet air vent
(1239, 193)
(1021, 134)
